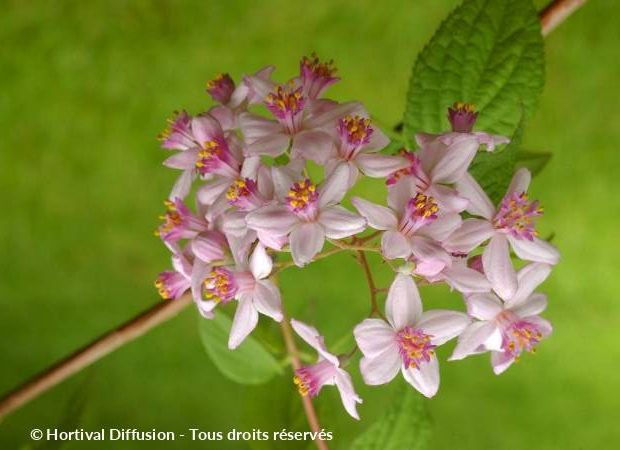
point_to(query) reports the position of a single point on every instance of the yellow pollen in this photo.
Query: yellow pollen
(301, 386)
(211, 83)
(460, 106)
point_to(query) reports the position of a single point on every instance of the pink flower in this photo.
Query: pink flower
(432, 179)
(462, 118)
(357, 145)
(413, 227)
(171, 284)
(408, 341)
(307, 214)
(316, 76)
(250, 286)
(211, 153)
(240, 192)
(513, 222)
(179, 223)
(444, 158)
(311, 379)
(508, 328)
(177, 135)
(303, 124)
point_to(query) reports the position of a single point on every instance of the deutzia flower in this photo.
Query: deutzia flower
(327, 371)
(408, 340)
(512, 222)
(510, 327)
(309, 214)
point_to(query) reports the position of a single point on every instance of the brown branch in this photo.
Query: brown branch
(557, 12)
(313, 420)
(550, 18)
(90, 353)
(374, 306)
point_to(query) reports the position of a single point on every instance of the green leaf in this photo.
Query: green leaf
(534, 161)
(494, 170)
(250, 363)
(405, 425)
(487, 52)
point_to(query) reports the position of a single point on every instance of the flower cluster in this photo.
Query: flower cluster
(247, 162)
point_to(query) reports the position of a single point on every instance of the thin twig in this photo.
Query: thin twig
(90, 353)
(550, 18)
(313, 420)
(374, 306)
(556, 12)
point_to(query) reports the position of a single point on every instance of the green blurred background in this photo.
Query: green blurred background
(86, 86)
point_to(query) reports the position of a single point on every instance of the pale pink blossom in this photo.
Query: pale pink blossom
(510, 327)
(211, 152)
(302, 124)
(462, 118)
(444, 158)
(357, 145)
(316, 76)
(248, 283)
(413, 226)
(408, 340)
(511, 224)
(179, 223)
(307, 214)
(326, 371)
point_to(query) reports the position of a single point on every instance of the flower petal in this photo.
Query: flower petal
(534, 305)
(469, 235)
(274, 219)
(378, 217)
(400, 193)
(378, 166)
(208, 193)
(501, 361)
(267, 299)
(466, 280)
(447, 198)
(182, 185)
(306, 241)
(472, 340)
(431, 258)
(374, 336)
(315, 145)
(339, 222)
(335, 186)
(520, 181)
(424, 379)
(271, 145)
(442, 227)
(403, 305)
(199, 273)
(536, 250)
(483, 306)
(182, 160)
(498, 267)
(347, 393)
(443, 325)
(260, 263)
(205, 128)
(528, 279)
(314, 339)
(479, 202)
(455, 162)
(245, 320)
(395, 245)
(382, 368)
